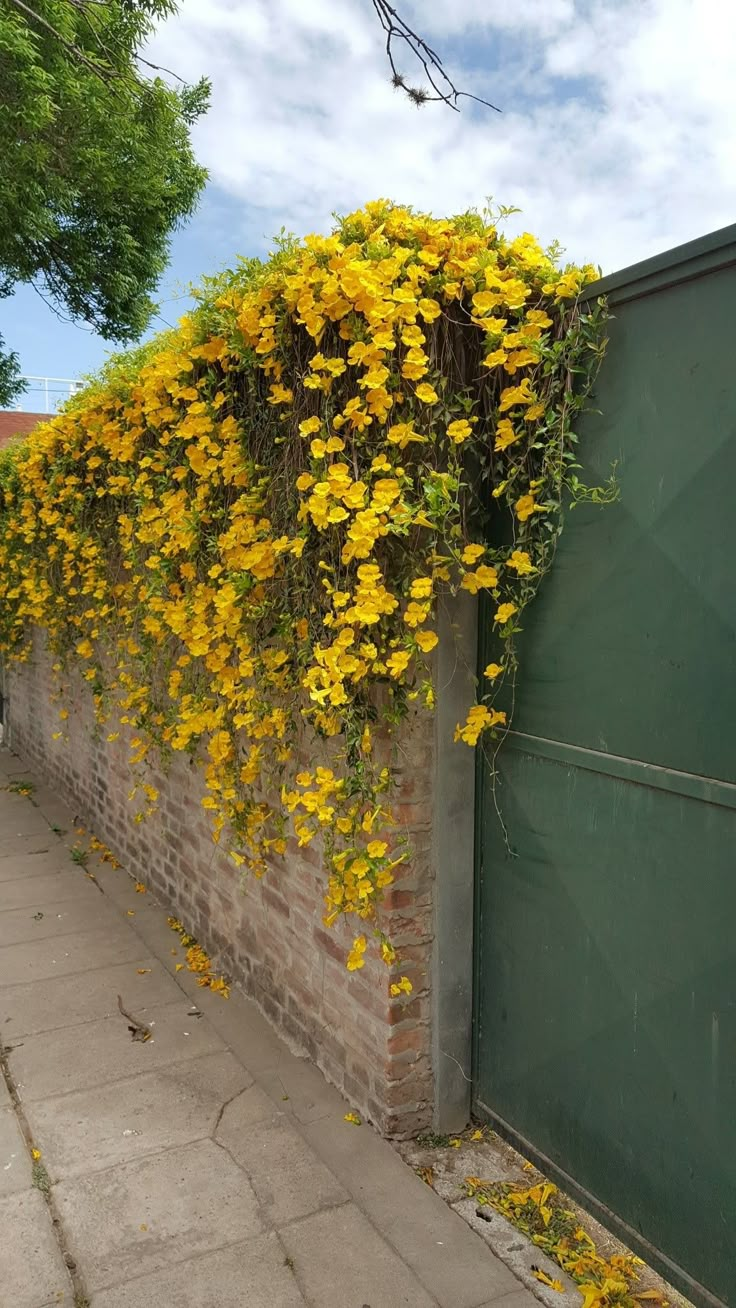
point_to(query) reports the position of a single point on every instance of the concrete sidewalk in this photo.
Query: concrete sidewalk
(207, 1167)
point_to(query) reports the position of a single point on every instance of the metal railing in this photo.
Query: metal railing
(51, 392)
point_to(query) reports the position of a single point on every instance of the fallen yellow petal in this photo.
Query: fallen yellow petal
(551, 1281)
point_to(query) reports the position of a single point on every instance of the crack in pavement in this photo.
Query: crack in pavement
(41, 1180)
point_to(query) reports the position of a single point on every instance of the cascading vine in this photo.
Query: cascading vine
(241, 532)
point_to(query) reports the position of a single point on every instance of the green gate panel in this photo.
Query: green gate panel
(606, 924)
(631, 647)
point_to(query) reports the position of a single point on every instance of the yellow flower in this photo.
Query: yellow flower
(376, 848)
(505, 435)
(483, 578)
(520, 359)
(459, 430)
(401, 987)
(355, 958)
(485, 302)
(426, 640)
(403, 434)
(471, 553)
(415, 614)
(413, 336)
(520, 562)
(280, 395)
(525, 506)
(388, 953)
(353, 1118)
(504, 612)
(494, 358)
(426, 393)
(479, 717)
(533, 412)
(493, 670)
(429, 309)
(398, 662)
(513, 395)
(309, 426)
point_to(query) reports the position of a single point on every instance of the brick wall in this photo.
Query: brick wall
(266, 935)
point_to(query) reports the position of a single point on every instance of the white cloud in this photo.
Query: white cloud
(618, 134)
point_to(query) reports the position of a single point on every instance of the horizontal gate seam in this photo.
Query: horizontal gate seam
(689, 784)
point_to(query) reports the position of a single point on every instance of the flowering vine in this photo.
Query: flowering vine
(241, 531)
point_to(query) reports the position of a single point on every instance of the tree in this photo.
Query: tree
(97, 168)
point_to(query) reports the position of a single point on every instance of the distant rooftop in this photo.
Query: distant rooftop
(14, 423)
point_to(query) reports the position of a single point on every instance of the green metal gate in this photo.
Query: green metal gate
(605, 1029)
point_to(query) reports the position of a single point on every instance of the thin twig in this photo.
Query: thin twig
(442, 85)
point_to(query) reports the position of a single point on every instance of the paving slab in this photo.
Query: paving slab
(19, 817)
(517, 1299)
(55, 886)
(52, 806)
(253, 1274)
(33, 1271)
(86, 996)
(409, 1214)
(239, 1022)
(309, 1097)
(27, 847)
(79, 952)
(340, 1261)
(9, 762)
(58, 1062)
(154, 1213)
(287, 1176)
(43, 919)
(250, 1108)
(92, 1129)
(15, 1164)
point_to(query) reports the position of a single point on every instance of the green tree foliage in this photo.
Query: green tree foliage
(96, 167)
(11, 382)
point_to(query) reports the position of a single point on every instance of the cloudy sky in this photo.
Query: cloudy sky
(617, 136)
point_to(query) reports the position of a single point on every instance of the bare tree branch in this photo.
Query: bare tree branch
(443, 87)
